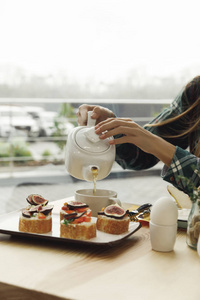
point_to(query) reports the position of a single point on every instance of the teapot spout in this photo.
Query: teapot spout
(90, 172)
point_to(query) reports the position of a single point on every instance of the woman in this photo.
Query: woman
(165, 139)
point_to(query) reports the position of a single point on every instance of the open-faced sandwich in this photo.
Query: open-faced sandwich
(74, 206)
(113, 219)
(76, 222)
(36, 217)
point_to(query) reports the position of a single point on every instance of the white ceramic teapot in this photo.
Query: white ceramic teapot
(85, 151)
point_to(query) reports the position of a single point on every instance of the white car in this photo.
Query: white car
(15, 118)
(49, 122)
(46, 122)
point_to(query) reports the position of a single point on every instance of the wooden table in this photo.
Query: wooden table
(31, 269)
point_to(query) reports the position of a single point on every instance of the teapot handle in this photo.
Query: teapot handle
(90, 122)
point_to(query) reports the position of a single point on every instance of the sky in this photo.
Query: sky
(101, 39)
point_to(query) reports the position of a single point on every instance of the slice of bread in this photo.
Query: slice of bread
(112, 225)
(81, 231)
(35, 225)
(37, 216)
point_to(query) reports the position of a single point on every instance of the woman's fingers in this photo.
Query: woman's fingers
(82, 114)
(96, 112)
(131, 131)
(112, 123)
(127, 131)
(115, 121)
(100, 113)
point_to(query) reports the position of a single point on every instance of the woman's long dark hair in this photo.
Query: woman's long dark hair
(191, 96)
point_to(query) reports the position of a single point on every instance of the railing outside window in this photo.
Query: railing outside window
(140, 110)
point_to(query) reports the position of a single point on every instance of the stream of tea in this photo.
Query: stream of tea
(95, 174)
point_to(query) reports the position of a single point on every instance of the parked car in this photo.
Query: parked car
(49, 122)
(34, 110)
(15, 118)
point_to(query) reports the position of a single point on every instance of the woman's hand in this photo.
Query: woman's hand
(131, 131)
(100, 113)
(137, 135)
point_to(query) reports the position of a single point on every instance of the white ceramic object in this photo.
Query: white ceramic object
(91, 135)
(163, 224)
(198, 246)
(102, 198)
(164, 211)
(84, 150)
(163, 238)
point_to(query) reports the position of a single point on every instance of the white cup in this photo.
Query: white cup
(102, 198)
(162, 237)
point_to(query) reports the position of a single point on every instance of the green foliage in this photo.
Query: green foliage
(21, 152)
(66, 222)
(66, 112)
(46, 153)
(59, 132)
(4, 152)
(17, 148)
(4, 149)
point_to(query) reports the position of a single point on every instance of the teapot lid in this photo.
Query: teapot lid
(86, 144)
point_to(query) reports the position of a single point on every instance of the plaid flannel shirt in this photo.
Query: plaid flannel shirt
(183, 163)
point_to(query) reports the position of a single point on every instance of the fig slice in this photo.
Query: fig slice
(74, 215)
(114, 211)
(26, 214)
(70, 216)
(80, 215)
(29, 199)
(46, 209)
(38, 199)
(76, 204)
(101, 213)
(35, 208)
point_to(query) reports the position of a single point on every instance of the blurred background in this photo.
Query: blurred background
(130, 56)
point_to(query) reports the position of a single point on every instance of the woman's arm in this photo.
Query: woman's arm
(131, 157)
(132, 133)
(178, 162)
(184, 164)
